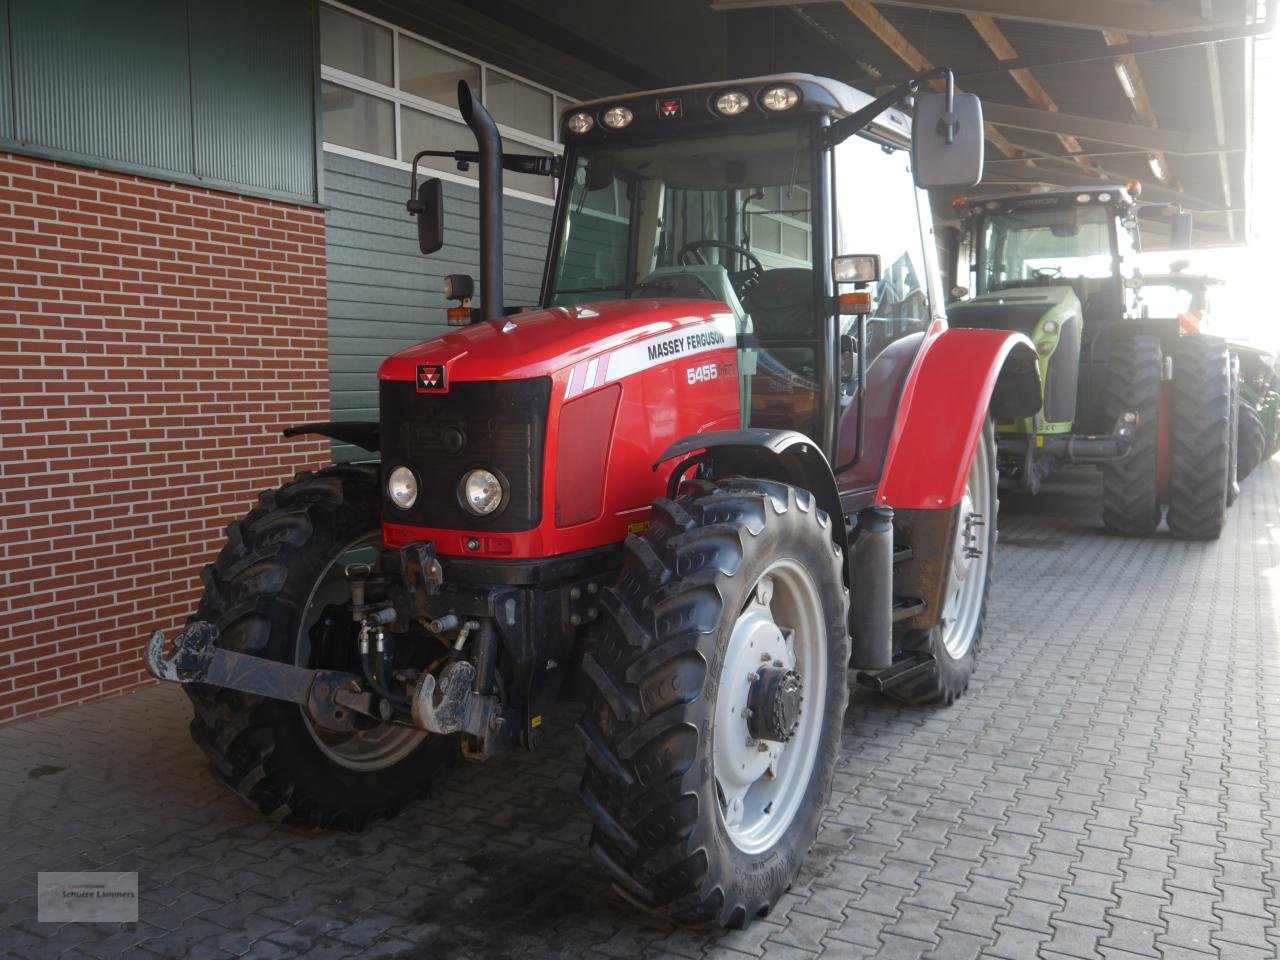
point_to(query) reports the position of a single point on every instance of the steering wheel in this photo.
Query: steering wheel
(1047, 273)
(690, 255)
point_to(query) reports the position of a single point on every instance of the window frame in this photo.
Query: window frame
(399, 98)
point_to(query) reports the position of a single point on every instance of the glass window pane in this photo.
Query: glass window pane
(519, 105)
(795, 242)
(433, 74)
(765, 233)
(355, 45)
(423, 131)
(358, 120)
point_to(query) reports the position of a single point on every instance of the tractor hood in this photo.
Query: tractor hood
(1015, 308)
(542, 342)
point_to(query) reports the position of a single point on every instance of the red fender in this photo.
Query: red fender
(959, 376)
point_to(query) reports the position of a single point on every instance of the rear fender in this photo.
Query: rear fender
(960, 376)
(782, 455)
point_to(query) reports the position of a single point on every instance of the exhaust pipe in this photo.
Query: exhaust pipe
(489, 146)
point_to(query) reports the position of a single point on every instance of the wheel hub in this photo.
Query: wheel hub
(774, 701)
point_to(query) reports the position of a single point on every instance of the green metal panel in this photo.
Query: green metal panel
(6, 74)
(252, 88)
(105, 80)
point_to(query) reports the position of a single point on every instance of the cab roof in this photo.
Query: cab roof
(818, 95)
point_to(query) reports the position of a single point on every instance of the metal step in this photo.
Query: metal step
(904, 607)
(901, 555)
(908, 666)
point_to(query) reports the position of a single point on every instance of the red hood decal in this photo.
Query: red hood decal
(545, 341)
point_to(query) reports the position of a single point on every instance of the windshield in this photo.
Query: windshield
(1045, 244)
(1173, 300)
(684, 216)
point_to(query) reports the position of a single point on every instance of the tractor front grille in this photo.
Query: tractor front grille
(499, 425)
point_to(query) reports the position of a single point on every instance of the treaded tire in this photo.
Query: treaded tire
(256, 592)
(1234, 476)
(950, 676)
(1199, 472)
(1250, 449)
(649, 782)
(1130, 502)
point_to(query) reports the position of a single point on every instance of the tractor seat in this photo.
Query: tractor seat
(781, 304)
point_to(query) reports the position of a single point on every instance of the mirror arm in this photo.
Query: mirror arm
(846, 127)
(531, 163)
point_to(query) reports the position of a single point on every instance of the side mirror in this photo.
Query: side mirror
(947, 140)
(1180, 231)
(428, 207)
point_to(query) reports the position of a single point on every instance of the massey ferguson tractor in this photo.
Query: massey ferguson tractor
(1123, 390)
(732, 454)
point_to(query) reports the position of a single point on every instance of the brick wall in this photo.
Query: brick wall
(153, 341)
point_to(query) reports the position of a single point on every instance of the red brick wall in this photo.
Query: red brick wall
(153, 341)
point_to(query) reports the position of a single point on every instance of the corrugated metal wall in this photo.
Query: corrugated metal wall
(217, 94)
(383, 294)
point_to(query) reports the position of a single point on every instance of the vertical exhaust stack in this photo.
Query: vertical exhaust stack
(489, 146)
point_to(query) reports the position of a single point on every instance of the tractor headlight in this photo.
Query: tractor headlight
(402, 487)
(732, 103)
(481, 492)
(615, 118)
(782, 97)
(580, 123)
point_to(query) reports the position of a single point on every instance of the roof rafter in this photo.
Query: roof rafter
(999, 44)
(1141, 100)
(906, 51)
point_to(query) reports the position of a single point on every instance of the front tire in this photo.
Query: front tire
(730, 616)
(1199, 472)
(954, 643)
(1130, 502)
(267, 591)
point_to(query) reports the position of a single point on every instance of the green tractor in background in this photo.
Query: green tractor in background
(1186, 295)
(1123, 390)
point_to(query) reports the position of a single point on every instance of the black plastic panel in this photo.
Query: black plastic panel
(498, 425)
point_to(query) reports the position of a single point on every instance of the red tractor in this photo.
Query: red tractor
(733, 453)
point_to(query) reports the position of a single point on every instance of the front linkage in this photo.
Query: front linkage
(535, 623)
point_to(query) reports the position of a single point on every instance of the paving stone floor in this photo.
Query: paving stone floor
(1110, 787)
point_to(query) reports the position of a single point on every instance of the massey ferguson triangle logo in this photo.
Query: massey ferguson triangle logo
(670, 108)
(431, 377)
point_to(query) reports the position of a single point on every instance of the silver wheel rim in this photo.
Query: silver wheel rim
(967, 576)
(366, 750)
(761, 784)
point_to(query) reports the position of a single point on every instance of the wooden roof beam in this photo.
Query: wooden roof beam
(1140, 100)
(999, 44)
(907, 52)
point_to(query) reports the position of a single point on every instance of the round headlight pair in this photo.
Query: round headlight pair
(480, 492)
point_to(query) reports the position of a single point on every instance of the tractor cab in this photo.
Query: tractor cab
(1056, 266)
(748, 194)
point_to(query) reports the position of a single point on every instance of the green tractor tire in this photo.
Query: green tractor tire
(1252, 441)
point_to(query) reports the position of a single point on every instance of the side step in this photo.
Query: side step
(906, 667)
(904, 607)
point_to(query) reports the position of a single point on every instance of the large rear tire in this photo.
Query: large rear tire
(954, 643)
(1130, 502)
(268, 592)
(1199, 473)
(728, 624)
(1251, 443)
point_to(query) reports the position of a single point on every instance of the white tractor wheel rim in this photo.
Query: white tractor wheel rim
(760, 783)
(364, 750)
(967, 576)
